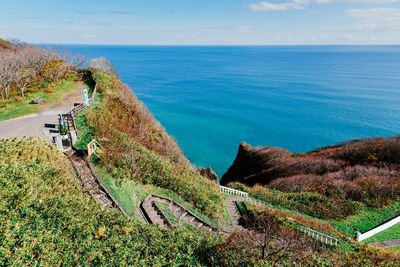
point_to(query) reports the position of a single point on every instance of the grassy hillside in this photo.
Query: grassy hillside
(138, 149)
(45, 219)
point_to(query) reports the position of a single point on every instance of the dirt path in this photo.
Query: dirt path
(33, 124)
(387, 244)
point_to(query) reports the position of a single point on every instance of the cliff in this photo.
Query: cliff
(251, 161)
(364, 171)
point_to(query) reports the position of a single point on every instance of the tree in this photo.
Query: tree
(18, 43)
(24, 79)
(8, 73)
(105, 65)
(266, 239)
(21, 66)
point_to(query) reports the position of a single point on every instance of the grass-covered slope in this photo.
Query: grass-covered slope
(137, 148)
(45, 219)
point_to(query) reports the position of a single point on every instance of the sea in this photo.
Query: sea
(211, 98)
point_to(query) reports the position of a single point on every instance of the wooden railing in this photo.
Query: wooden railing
(82, 106)
(319, 236)
(233, 192)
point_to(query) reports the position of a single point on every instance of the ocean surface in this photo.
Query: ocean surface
(296, 97)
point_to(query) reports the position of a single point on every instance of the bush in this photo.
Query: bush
(311, 203)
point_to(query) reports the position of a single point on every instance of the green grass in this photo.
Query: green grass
(389, 234)
(394, 249)
(242, 206)
(172, 218)
(11, 109)
(367, 219)
(122, 191)
(85, 133)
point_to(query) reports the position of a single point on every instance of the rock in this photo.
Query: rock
(208, 173)
(251, 161)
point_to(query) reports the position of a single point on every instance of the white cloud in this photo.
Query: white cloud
(266, 6)
(375, 13)
(301, 4)
(355, 1)
(376, 18)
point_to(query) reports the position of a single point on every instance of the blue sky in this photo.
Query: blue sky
(202, 22)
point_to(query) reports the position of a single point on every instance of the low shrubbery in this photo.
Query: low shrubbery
(46, 220)
(311, 203)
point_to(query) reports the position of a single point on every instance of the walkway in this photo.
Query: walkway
(34, 124)
(89, 181)
(387, 244)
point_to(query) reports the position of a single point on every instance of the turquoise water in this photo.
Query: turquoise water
(296, 97)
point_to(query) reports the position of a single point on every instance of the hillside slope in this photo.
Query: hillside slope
(357, 179)
(138, 149)
(46, 220)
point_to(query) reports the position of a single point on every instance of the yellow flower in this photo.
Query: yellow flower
(127, 230)
(100, 232)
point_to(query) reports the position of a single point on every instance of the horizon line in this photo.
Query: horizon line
(222, 45)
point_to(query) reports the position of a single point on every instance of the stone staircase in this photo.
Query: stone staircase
(89, 181)
(155, 215)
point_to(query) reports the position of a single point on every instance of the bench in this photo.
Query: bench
(37, 100)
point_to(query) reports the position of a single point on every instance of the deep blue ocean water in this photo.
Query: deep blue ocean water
(296, 97)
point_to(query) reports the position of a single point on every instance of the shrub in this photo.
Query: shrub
(19, 99)
(49, 90)
(311, 203)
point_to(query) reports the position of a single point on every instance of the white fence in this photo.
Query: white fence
(319, 236)
(233, 192)
(380, 228)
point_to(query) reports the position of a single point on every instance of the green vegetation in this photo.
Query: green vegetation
(122, 191)
(367, 219)
(11, 108)
(137, 149)
(310, 203)
(394, 249)
(242, 207)
(46, 220)
(389, 234)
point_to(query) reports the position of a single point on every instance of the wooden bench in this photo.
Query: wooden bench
(37, 100)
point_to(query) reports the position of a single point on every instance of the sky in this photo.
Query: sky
(202, 22)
